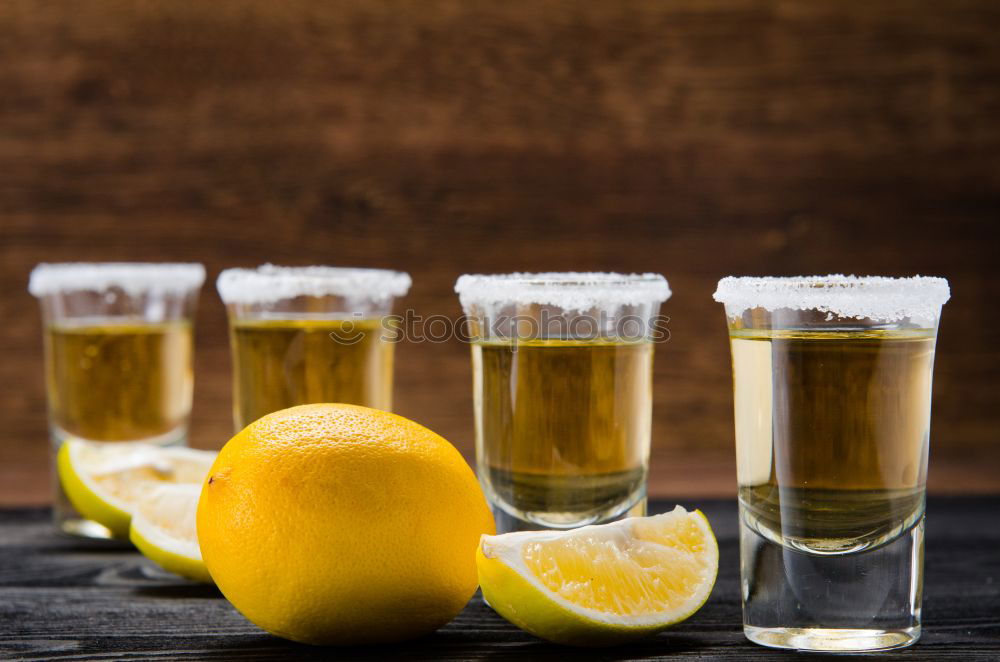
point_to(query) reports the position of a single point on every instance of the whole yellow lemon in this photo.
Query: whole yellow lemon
(338, 524)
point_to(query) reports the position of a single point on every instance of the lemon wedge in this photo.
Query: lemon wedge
(164, 529)
(601, 585)
(104, 481)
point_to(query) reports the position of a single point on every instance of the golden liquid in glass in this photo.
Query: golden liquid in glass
(283, 363)
(832, 434)
(119, 382)
(563, 427)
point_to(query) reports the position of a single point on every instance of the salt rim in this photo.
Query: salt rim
(570, 290)
(134, 278)
(872, 297)
(269, 283)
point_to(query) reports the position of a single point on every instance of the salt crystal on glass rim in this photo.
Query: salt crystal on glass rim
(861, 297)
(269, 283)
(568, 290)
(134, 278)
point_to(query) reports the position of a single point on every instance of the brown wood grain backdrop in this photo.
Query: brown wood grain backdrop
(696, 138)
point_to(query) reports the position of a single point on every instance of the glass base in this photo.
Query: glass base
(832, 640)
(847, 602)
(507, 522)
(84, 528)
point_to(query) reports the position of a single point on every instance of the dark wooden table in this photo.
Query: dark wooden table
(62, 598)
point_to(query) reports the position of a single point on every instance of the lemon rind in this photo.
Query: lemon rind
(182, 557)
(88, 498)
(171, 561)
(557, 619)
(95, 503)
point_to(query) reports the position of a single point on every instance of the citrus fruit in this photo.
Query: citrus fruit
(601, 585)
(103, 481)
(340, 524)
(163, 529)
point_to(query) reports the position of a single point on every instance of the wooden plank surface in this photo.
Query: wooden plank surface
(697, 139)
(66, 599)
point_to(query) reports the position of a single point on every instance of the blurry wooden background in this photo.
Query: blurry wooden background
(698, 139)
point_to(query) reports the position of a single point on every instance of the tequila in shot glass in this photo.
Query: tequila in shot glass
(562, 385)
(302, 335)
(832, 389)
(118, 351)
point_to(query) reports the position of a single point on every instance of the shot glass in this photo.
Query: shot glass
(118, 353)
(562, 386)
(302, 335)
(832, 381)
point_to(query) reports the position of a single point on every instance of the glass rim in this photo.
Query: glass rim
(269, 283)
(872, 297)
(134, 278)
(580, 290)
